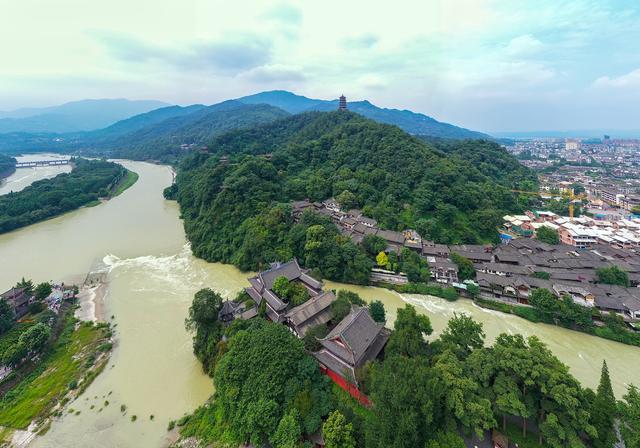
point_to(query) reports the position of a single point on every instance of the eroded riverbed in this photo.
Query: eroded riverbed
(137, 238)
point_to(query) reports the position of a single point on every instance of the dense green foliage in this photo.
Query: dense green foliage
(603, 411)
(231, 214)
(337, 432)
(265, 381)
(42, 291)
(87, 182)
(203, 322)
(30, 343)
(548, 235)
(629, 411)
(466, 270)
(613, 276)
(293, 293)
(7, 165)
(376, 308)
(6, 316)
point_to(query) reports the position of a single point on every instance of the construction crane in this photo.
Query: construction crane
(570, 195)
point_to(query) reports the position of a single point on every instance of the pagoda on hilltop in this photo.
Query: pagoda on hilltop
(342, 104)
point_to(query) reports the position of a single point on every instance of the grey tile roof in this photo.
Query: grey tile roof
(315, 311)
(355, 333)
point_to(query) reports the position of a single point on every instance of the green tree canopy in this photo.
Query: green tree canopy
(264, 376)
(466, 270)
(376, 308)
(337, 432)
(6, 316)
(629, 410)
(603, 411)
(463, 335)
(204, 323)
(548, 235)
(410, 330)
(613, 275)
(42, 291)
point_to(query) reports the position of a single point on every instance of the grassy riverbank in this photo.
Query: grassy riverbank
(127, 181)
(63, 373)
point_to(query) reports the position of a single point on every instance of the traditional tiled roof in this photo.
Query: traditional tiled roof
(315, 311)
(351, 339)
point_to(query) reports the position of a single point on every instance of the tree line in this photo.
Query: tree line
(88, 181)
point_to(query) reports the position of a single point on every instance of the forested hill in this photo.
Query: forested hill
(411, 122)
(447, 194)
(7, 166)
(161, 135)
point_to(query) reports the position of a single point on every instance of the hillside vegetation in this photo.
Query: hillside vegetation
(455, 193)
(7, 166)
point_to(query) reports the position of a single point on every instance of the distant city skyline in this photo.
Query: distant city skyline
(488, 65)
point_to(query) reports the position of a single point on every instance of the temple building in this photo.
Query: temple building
(342, 104)
(315, 311)
(262, 283)
(356, 340)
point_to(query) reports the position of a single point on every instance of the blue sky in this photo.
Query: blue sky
(491, 65)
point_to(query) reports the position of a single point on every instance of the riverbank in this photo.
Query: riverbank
(60, 375)
(91, 301)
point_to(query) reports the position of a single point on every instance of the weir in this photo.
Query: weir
(34, 163)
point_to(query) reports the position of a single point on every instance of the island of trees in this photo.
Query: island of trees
(88, 181)
(427, 392)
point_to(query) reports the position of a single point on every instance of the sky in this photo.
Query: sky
(488, 65)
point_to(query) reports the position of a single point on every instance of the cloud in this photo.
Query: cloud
(284, 13)
(372, 81)
(631, 79)
(232, 55)
(275, 74)
(523, 45)
(363, 41)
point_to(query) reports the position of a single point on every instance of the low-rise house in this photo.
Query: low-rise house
(315, 311)
(436, 250)
(356, 340)
(579, 295)
(395, 240)
(18, 300)
(443, 270)
(503, 269)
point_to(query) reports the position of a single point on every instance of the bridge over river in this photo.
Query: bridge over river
(34, 163)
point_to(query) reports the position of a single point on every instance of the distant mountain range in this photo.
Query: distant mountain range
(164, 133)
(75, 116)
(411, 122)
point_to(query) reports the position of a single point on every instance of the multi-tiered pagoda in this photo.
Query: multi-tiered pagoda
(342, 104)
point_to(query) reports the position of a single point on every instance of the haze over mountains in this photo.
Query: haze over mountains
(84, 115)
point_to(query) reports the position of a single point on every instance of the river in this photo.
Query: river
(138, 239)
(23, 177)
